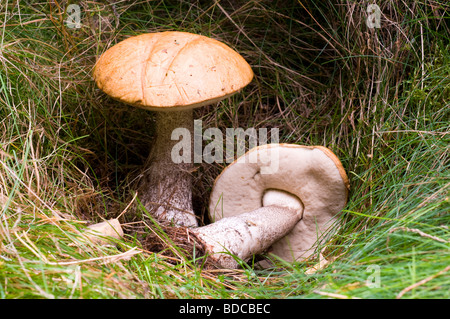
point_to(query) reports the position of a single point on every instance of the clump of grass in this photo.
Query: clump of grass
(70, 156)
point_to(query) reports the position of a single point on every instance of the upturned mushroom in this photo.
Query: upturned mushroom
(278, 198)
(171, 73)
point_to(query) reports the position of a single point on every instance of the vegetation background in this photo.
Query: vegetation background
(377, 97)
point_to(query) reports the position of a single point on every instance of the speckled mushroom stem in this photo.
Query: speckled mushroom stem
(250, 233)
(245, 235)
(165, 188)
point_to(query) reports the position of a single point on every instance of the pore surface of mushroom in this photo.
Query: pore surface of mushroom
(172, 73)
(298, 189)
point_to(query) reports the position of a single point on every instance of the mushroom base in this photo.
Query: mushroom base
(188, 246)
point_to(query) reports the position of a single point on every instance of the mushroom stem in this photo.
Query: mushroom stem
(250, 233)
(166, 186)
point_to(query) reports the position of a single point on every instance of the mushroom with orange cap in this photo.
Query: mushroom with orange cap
(278, 198)
(171, 73)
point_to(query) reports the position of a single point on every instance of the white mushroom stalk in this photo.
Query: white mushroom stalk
(232, 239)
(166, 186)
(170, 73)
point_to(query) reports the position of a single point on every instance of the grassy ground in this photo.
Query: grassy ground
(70, 156)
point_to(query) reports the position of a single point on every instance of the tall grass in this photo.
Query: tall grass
(70, 156)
